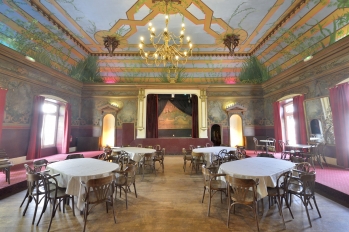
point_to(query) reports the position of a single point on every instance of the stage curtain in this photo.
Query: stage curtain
(299, 119)
(195, 121)
(34, 147)
(152, 116)
(277, 125)
(2, 108)
(67, 128)
(339, 99)
(162, 101)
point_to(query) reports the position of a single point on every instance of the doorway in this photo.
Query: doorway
(108, 130)
(216, 138)
(235, 128)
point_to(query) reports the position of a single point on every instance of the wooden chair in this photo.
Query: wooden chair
(139, 145)
(5, 165)
(159, 157)
(284, 152)
(240, 152)
(53, 193)
(35, 191)
(212, 184)
(98, 191)
(157, 147)
(147, 161)
(305, 190)
(39, 164)
(321, 154)
(208, 145)
(311, 154)
(219, 158)
(125, 179)
(242, 192)
(197, 161)
(279, 193)
(272, 145)
(74, 156)
(257, 147)
(186, 157)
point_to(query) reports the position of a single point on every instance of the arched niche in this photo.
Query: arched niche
(108, 124)
(235, 112)
(216, 135)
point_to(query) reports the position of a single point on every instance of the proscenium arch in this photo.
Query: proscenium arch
(236, 130)
(142, 106)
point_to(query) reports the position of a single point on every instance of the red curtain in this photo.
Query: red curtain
(299, 119)
(67, 127)
(277, 124)
(34, 147)
(195, 121)
(2, 107)
(152, 116)
(339, 99)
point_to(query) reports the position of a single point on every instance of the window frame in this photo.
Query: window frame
(55, 103)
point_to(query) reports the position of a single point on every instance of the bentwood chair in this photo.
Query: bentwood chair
(279, 193)
(321, 154)
(186, 157)
(74, 156)
(257, 147)
(242, 192)
(147, 162)
(35, 190)
(284, 152)
(125, 179)
(54, 195)
(305, 190)
(197, 161)
(212, 184)
(98, 191)
(159, 157)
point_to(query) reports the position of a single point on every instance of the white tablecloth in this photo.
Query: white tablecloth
(75, 170)
(209, 152)
(266, 169)
(136, 153)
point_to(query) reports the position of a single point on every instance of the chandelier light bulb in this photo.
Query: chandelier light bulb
(185, 53)
(177, 57)
(140, 46)
(146, 54)
(165, 29)
(188, 38)
(142, 38)
(152, 29)
(190, 45)
(183, 24)
(150, 24)
(182, 32)
(166, 16)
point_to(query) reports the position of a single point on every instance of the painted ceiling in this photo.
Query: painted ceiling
(279, 33)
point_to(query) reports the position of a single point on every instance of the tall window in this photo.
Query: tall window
(49, 126)
(289, 123)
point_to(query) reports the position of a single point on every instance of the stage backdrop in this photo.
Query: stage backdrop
(174, 123)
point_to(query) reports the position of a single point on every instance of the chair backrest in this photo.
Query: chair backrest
(255, 140)
(282, 145)
(239, 189)
(131, 172)
(321, 148)
(39, 164)
(157, 147)
(139, 145)
(208, 145)
(74, 156)
(29, 169)
(308, 183)
(101, 187)
(149, 146)
(191, 147)
(199, 155)
(265, 155)
(303, 167)
(159, 154)
(282, 180)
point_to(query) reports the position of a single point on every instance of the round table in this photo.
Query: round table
(73, 171)
(135, 153)
(209, 152)
(266, 169)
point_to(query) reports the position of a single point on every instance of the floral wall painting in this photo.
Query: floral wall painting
(276, 34)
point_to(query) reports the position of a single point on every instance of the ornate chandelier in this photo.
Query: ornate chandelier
(171, 51)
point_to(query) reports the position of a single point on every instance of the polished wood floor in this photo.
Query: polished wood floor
(171, 201)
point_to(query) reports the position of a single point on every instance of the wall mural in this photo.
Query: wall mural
(278, 34)
(172, 118)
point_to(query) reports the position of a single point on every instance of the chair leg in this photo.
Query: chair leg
(25, 197)
(209, 202)
(256, 215)
(203, 196)
(316, 206)
(184, 165)
(134, 186)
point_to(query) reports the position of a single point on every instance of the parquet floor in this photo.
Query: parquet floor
(171, 201)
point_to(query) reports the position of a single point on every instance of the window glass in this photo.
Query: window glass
(49, 125)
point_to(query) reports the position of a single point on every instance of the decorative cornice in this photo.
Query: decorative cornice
(214, 54)
(278, 26)
(60, 26)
